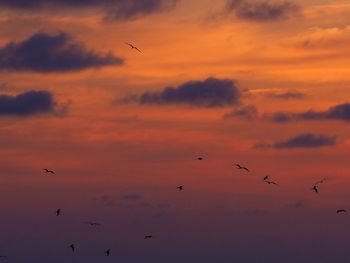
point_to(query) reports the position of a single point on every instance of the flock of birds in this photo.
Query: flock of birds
(266, 179)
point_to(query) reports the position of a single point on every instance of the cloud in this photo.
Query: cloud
(298, 204)
(338, 112)
(306, 140)
(324, 38)
(286, 95)
(131, 197)
(28, 103)
(246, 112)
(114, 9)
(52, 53)
(209, 93)
(262, 10)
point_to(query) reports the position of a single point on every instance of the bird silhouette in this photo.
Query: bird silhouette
(148, 237)
(47, 171)
(271, 182)
(341, 211)
(240, 167)
(58, 212)
(321, 181)
(180, 187)
(200, 158)
(108, 252)
(72, 247)
(92, 223)
(315, 189)
(133, 47)
(266, 178)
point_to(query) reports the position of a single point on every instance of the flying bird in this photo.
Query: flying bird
(108, 252)
(180, 187)
(321, 181)
(341, 211)
(200, 158)
(58, 212)
(271, 182)
(148, 237)
(266, 178)
(133, 47)
(72, 247)
(315, 189)
(92, 223)
(47, 171)
(240, 167)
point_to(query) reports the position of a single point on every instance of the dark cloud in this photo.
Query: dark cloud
(262, 10)
(115, 9)
(245, 112)
(28, 103)
(52, 53)
(131, 197)
(286, 95)
(211, 92)
(307, 140)
(338, 112)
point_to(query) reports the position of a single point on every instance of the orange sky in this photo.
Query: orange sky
(101, 147)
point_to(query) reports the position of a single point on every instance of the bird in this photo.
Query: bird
(47, 171)
(341, 211)
(271, 182)
(180, 187)
(200, 158)
(266, 178)
(240, 167)
(133, 47)
(72, 247)
(108, 252)
(58, 212)
(92, 223)
(321, 181)
(315, 189)
(148, 237)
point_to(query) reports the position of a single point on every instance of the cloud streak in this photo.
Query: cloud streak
(262, 10)
(338, 112)
(286, 96)
(114, 9)
(305, 140)
(209, 93)
(52, 53)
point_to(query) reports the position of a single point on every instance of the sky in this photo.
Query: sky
(261, 83)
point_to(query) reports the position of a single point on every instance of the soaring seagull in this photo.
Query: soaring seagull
(47, 171)
(133, 47)
(240, 167)
(321, 181)
(271, 182)
(72, 247)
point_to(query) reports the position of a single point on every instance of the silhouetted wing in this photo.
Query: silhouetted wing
(321, 181)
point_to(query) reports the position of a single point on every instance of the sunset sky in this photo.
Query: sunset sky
(262, 83)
